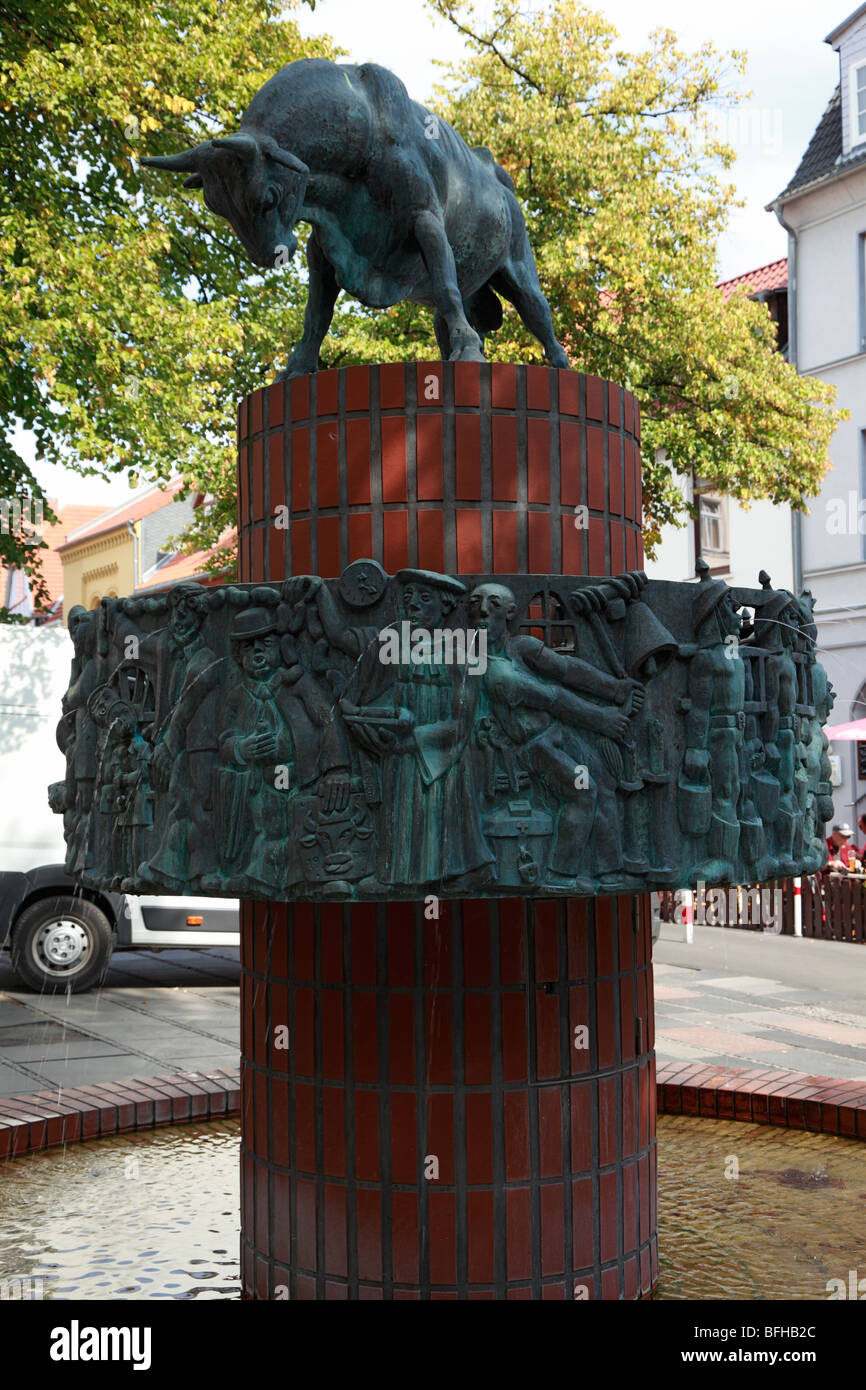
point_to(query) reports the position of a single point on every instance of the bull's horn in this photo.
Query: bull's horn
(185, 162)
(276, 152)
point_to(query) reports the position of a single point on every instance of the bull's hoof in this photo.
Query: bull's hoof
(291, 372)
(468, 354)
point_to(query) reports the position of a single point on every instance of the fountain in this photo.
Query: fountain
(443, 739)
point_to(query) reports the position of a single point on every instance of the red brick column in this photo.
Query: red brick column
(466, 1108)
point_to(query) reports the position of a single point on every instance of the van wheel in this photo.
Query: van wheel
(61, 944)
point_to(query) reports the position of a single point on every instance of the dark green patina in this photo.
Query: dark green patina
(397, 736)
(399, 205)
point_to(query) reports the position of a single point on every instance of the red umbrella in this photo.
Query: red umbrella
(855, 732)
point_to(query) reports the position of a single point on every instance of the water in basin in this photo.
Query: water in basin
(745, 1212)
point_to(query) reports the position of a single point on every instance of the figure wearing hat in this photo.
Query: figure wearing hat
(841, 852)
(709, 785)
(279, 736)
(412, 716)
(187, 676)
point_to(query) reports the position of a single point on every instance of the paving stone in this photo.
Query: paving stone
(14, 1082)
(705, 1003)
(818, 1047)
(168, 1049)
(746, 984)
(59, 1052)
(90, 1069)
(714, 1040)
(669, 1050)
(813, 1028)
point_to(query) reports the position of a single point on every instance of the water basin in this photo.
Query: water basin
(745, 1212)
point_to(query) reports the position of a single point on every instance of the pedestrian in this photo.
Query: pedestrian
(839, 847)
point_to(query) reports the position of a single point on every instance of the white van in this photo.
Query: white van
(60, 933)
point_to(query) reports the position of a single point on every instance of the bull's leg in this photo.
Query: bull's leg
(321, 299)
(518, 281)
(464, 342)
(440, 328)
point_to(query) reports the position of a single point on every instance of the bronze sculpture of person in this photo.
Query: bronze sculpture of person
(400, 712)
(279, 736)
(777, 629)
(715, 724)
(79, 735)
(133, 802)
(531, 692)
(816, 763)
(112, 719)
(187, 676)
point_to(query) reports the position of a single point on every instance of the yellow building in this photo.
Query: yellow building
(123, 548)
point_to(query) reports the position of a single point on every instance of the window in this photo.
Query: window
(712, 524)
(857, 98)
(711, 530)
(547, 619)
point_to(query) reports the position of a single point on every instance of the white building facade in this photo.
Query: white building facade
(823, 210)
(736, 540)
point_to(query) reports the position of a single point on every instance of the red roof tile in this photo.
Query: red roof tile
(131, 510)
(767, 277)
(54, 534)
(188, 566)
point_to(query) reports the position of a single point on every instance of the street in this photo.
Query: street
(745, 998)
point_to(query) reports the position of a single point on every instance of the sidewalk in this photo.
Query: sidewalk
(732, 999)
(743, 999)
(176, 1011)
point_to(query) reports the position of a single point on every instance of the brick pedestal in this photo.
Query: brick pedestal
(466, 1104)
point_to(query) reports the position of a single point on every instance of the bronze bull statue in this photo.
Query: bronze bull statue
(399, 206)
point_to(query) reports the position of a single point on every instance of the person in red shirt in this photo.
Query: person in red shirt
(861, 823)
(839, 847)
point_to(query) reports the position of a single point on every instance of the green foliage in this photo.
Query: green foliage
(130, 319)
(621, 178)
(131, 322)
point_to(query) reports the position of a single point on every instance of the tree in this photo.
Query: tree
(620, 174)
(130, 319)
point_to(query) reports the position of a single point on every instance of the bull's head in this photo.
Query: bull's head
(253, 183)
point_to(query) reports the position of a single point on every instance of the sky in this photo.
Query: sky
(791, 74)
